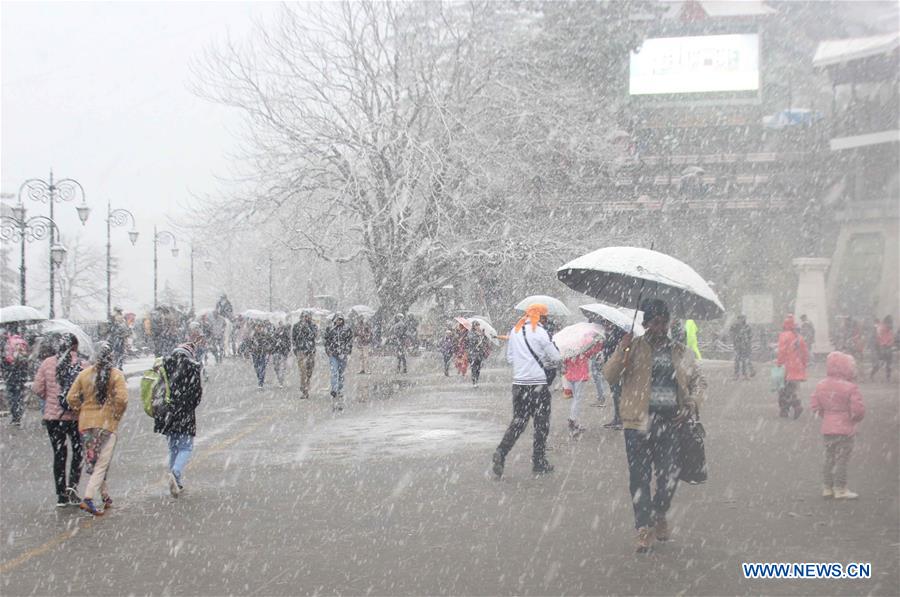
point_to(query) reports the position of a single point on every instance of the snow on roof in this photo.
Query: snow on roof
(720, 8)
(837, 51)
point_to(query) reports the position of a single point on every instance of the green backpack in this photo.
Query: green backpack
(155, 392)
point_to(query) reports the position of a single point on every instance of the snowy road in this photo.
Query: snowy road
(392, 499)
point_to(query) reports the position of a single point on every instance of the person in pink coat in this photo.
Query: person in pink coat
(793, 355)
(577, 374)
(51, 383)
(838, 402)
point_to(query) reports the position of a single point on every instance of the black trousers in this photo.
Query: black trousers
(528, 402)
(475, 365)
(58, 430)
(401, 359)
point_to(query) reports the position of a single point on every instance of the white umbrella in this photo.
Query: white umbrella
(278, 317)
(64, 326)
(364, 311)
(256, 314)
(489, 330)
(623, 275)
(20, 313)
(578, 338)
(554, 305)
(621, 317)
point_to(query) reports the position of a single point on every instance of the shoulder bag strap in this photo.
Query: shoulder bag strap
(525, 337)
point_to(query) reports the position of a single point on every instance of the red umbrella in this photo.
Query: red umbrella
(464, 322)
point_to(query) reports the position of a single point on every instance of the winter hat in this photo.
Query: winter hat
(188, 349)
(533, 312)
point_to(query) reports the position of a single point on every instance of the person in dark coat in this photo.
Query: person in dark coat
(399, 339)
(16, 368)
(260, 345)
(224, 308)
(338, 346)
(178, 421)
(446, 347)
(742, 338)
(281, 348)
(303, 339)
(477, 349)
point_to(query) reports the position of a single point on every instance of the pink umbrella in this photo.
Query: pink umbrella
(578, 338)
(464, 322)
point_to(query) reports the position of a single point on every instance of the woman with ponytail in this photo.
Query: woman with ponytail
(52, 381)
(99, 397)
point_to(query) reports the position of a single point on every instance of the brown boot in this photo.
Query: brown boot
(661, 530)
(644, 540)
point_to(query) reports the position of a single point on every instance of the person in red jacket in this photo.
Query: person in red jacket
(793, 355)
(838, 402)
(884, 347)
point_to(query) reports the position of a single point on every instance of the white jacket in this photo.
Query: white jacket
(526, 370)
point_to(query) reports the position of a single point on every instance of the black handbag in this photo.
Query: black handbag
(692, 452)
(550, 373)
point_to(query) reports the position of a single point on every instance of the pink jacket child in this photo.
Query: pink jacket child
(578, 368)
(46, 386)
(836, 398)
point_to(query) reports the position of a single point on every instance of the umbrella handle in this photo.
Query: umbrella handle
(640, 294)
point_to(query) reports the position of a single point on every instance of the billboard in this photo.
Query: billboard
(708, 63)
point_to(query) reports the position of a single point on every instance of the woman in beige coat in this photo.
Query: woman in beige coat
(99, 396)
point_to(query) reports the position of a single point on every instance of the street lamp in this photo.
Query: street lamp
(115, 217)
(48, 191)
(161, 237)
(34, 228)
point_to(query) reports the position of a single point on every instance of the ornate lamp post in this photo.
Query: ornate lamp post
(16, 227)
(115, 217)
(50, 191)
(161, 237)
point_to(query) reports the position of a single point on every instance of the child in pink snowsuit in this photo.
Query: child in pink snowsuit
(838, 402)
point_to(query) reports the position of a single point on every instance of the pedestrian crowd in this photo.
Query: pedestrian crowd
(654, 380)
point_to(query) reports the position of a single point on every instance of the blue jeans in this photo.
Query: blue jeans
(654, 449)
(337, 364)
(259, 364)
(15, 397)
(180, 447)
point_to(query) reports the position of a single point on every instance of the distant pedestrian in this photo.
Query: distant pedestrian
(742, 340)
(577, 373)
(692, 337)
(532, 355)
(614, 335)
(281, 349)
(661, 387)
(477, 349)
(793, 355)
(447, 347)
(399, 339)
(51, 383)
(303, 340)
(223, 307)
(808, 331)
(838, 402)
(99, 398)
(460, 356)
(16, 365)
(178, 420)
(260, 346)
(884, 347)
(362, 333)
(338, 346)
(118, 335)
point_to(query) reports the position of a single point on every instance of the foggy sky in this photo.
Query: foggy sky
(99, 92)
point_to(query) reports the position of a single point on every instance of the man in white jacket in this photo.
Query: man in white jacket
(532, 355)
